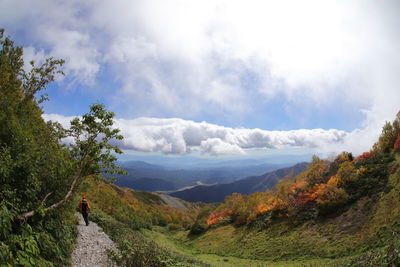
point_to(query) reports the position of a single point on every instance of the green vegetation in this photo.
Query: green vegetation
(122, 212)
(136, 209)
(34, 168)
(340, 213)
(344, 213)
(137, 250)
(39, 175)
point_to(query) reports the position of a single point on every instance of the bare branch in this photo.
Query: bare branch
(28, 214)
(44, 199)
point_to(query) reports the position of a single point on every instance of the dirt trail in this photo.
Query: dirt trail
(92, 244)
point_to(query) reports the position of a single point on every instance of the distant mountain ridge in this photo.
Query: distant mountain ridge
(150, 177)
(249, 185)
(139, 164)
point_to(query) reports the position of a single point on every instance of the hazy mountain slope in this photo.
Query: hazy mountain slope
(217, 193)
(149, 177)
(147, 184)
(139, 164)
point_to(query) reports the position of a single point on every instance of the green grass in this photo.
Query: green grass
(135, 249)
(365, 234)
(277, 243)
(174, 243)
(358, 235)
(323, 243)
(147, 197)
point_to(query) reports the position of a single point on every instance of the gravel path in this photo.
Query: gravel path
(92, 244)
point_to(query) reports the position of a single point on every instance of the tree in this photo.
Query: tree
(328, 196)
(32, 164)
(37, 172)
(316, 173)
(91, 150)
(390, 133)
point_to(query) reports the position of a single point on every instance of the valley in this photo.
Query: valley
(199, 134)
(149, 177)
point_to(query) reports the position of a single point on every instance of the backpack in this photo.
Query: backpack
(84, 207)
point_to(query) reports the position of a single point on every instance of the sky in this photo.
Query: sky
(220, 77)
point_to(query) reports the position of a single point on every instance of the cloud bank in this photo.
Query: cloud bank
(177, 136)
(193, 59)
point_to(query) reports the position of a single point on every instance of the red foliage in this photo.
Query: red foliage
(216, 217)
(365, 156)
(396, 145)
(302, 200)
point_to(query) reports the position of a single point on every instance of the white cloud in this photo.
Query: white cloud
(177, 136)
(187, 57)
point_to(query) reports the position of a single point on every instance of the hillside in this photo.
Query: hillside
(139, 209)
(249, 185)
(149, 177)
(344, 212)
(124, 213)
(336, 213)
(352, 221)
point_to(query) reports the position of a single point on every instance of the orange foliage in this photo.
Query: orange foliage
(328, 195)
(273, 203)
(298, 187)
(299, 194)
(116, 200)
(217, 217)
(334, 180)
(320, 190)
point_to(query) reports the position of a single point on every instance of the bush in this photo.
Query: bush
(134, 250)
(198, 228)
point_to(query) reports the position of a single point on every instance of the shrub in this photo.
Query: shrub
(198, 228)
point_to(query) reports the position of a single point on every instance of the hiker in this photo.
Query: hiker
(85, 208)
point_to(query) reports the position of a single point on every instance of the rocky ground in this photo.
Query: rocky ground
(92, 245)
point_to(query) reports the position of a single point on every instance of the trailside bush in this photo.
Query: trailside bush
(134, 250)
(198, 228)
(35, 169)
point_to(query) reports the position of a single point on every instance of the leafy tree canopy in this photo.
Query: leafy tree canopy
(38, 174)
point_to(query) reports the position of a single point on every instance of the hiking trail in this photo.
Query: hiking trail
(92, 245)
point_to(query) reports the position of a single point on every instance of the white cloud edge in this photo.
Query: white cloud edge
(178, 136)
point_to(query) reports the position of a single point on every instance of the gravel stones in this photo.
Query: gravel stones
(92, 245)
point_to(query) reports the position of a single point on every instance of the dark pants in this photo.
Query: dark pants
(86, 218)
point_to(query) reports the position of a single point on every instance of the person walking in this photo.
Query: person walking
(84, 207)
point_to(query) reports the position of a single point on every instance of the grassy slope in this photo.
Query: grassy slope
(176, 242)
(121, 212)
(361, 229)
(366, 226)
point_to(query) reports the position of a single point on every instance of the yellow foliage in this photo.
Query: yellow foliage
(334, 180)
(299, 186)
(347, 172)
(328, 194)
(273, 203)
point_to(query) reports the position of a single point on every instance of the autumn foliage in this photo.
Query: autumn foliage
(319, 189)
(396, 146)
(273, 203)
(218, 217)
(365, 156)
(324, 187)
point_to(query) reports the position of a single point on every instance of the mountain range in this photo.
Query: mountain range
(249, 185)
(153, 177)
